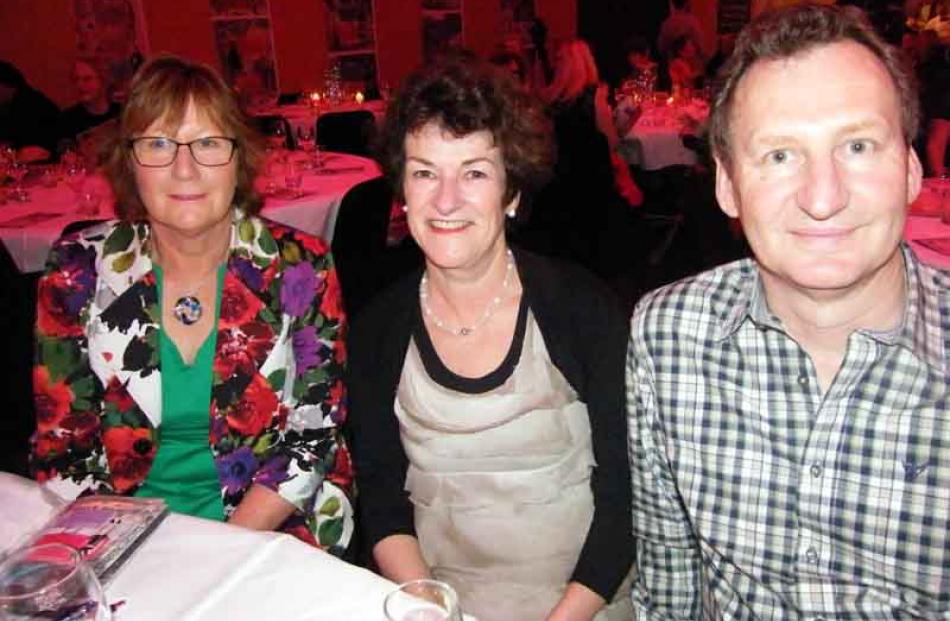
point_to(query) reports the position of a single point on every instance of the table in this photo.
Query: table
(653, 141)
(923, 223)
(191, 569)
(29, 229)
(303, 115)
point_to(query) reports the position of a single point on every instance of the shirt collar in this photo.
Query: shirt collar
(920, 331)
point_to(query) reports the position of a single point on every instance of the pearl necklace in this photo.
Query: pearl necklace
(481, 321)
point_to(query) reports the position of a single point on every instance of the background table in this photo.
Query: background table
(29, 229)
(653, 141)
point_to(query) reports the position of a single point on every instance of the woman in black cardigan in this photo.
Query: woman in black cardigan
(486, 393)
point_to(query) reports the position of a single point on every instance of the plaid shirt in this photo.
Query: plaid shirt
(755, 496)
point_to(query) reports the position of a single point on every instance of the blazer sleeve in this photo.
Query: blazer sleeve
(67, 444)
(310, 467)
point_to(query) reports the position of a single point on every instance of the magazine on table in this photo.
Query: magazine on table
(104, 529)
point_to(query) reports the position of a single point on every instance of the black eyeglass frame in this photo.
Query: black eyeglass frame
(178, 145)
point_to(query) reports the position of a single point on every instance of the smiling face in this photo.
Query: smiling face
(186, 197)
(454, 189)
(820, 174)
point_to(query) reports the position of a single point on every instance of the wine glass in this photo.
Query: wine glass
(50, 581)
(277, 137)
(422, 600)
(17, 170)
(305, 140)
(75, 176)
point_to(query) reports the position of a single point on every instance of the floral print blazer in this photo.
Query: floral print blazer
(277, 399)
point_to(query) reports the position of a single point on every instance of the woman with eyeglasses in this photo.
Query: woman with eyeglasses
(191, 350)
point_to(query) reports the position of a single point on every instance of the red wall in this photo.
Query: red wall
(39, 36)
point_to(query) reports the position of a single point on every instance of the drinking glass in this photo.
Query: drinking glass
(50, 581)
(305, 142)
(293, 177)
(422, 600)
(17, 171)
(75, 177)
(276, 137)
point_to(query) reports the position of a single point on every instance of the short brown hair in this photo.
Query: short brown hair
(796, 30)
(465, 97)
(162, 89)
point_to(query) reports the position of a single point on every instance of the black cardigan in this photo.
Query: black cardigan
(586, 336)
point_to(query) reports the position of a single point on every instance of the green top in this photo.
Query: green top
(183, 473)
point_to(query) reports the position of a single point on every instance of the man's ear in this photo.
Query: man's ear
(725, 191)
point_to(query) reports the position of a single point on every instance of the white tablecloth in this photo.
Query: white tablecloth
(28, 230)
(191, 569)
(654, 142)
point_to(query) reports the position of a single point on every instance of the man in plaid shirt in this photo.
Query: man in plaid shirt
(790, 414)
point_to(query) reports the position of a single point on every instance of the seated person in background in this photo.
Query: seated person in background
(686, 66)
(639, 60)
(28, 119)
(934, 75)
(191, 350)
(592, 190)
(94, 106)
(790, 414)
(680, 23)
(486, 392)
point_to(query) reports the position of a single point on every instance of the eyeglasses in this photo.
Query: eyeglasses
(158, 151)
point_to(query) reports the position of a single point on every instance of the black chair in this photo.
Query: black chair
(18, 301)
(267, 124)
(288, 98)
(366, 262)
(347, 132)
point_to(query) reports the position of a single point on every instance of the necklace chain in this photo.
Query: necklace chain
(188, 308)
(481, 321)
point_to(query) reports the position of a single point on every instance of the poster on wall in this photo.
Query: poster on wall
(441, 32)
(111, 35)
(350, 25)
(246, 55)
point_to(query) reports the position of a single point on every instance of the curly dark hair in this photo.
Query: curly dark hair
(466, 96)
(795, 30)
(162, 90)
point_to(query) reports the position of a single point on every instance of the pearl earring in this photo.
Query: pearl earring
(510, 213)
(405, 208)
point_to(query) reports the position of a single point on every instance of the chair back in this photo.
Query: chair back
(347, 132)
(367, 261)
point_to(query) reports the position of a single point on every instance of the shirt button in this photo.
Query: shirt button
(816, 470)
(811, 556)
(803, 380)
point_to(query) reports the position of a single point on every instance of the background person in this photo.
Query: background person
(28, 119)
(94, 107)
(191, 350)
(789, 413)
(486, 392)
